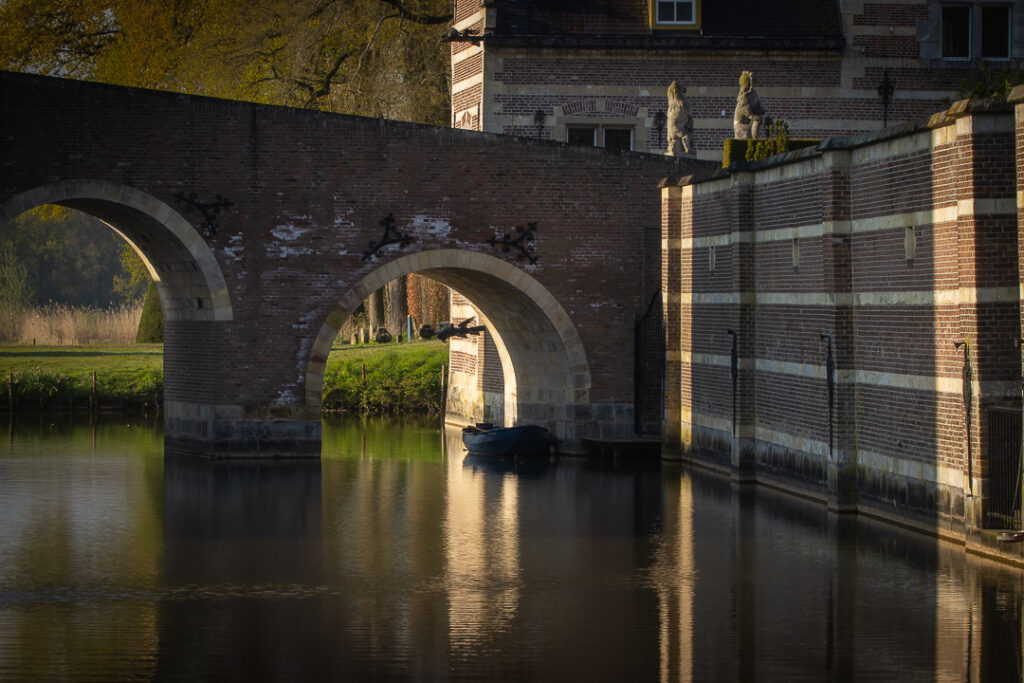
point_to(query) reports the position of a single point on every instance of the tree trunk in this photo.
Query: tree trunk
(427, 300)
(396, 306)
(374, 305)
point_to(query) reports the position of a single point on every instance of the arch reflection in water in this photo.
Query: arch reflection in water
(242, 560)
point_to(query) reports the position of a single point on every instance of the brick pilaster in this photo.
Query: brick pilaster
(988, 270)
(837, 281)
(671, 226)
(744, 321)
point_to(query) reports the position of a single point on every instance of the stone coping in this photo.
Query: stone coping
(958, 109)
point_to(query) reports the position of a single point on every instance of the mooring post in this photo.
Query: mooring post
(10, 392)
(92, 395)
(363, 366)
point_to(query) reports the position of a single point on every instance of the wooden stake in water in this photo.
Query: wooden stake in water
(364, 375)
(92, 396)
(10, 392)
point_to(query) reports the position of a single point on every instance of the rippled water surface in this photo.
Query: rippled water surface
(397, 557)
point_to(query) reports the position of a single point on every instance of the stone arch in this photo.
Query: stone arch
(184, 268)
(543, 359)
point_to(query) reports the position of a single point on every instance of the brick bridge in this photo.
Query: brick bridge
(255, 222)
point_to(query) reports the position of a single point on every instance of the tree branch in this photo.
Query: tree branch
(416, 16)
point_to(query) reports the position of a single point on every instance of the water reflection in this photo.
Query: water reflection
(396, 557)
(243, 556)
(80, 549)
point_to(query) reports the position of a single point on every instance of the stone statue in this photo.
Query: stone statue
(680, 123)
(750, 114)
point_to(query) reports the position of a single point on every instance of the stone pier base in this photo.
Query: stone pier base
(232, 432)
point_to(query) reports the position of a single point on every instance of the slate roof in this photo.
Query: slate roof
(610, 23)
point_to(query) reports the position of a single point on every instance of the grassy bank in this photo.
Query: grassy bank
(400, 378)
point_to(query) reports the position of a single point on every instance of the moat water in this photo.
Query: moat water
(395, 557)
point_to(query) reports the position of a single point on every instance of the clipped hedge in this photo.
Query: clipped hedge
(735, 149)
(151, 324)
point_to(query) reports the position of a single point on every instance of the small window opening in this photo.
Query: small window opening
(711, 258)
(995, 32)
(910, 243)
(796, 252)
(582, 135)
(956, 31)
(199, 303)
(618, 138)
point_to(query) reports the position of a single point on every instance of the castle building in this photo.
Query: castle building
(596, 72)
(842, 321)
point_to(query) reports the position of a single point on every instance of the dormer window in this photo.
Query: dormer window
(675, 13)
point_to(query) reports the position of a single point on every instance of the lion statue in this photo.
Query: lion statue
(750, 115)
(680, 122)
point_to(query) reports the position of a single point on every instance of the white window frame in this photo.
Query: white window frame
(599, 130)
(694, 21)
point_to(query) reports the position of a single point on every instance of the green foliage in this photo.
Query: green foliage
(151, 324)
(399, 378)
(381, 58)
(735, 149)
(993, 84)
(67, 256)
(15, 294)
(133, 280)
(777, 142)
(61, 377)
(370, 57)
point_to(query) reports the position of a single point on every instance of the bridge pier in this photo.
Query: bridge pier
(225, 431)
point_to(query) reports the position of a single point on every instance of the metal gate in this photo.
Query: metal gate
(649, 369)
(1004, 471)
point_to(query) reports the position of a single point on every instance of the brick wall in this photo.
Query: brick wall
(896, 247)
(307, 194)
(820, 93)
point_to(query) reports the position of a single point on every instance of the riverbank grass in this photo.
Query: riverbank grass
(400, 378)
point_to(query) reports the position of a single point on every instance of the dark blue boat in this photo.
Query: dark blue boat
(524, 440)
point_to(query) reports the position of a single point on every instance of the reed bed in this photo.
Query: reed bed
(61, 325)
